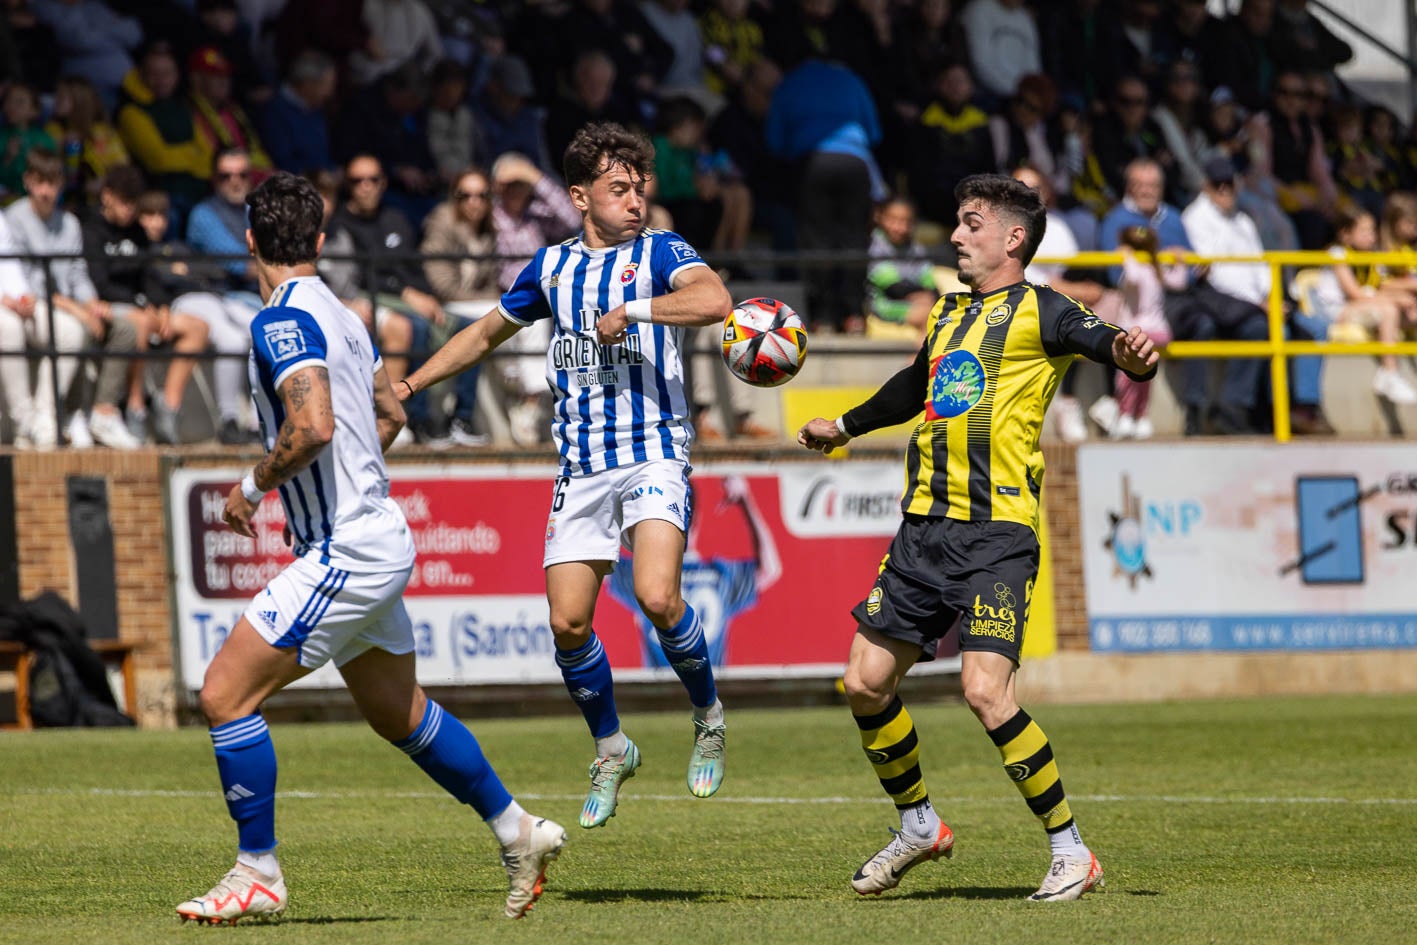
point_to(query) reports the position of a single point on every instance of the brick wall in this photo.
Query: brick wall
(1060, 505)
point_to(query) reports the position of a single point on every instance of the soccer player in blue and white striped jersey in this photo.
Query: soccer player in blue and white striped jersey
(619, 297)
(328, 413)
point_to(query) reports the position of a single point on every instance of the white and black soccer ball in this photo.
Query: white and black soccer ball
(764, 342)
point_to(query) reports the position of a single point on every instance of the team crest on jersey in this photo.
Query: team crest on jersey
(957, 383)
(873, 602)
(999, 315)
(627, 275)
(284, 340)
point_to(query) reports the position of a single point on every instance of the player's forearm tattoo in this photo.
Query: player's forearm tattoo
(288, 458)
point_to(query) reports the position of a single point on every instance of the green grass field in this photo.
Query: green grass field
(1278, 820)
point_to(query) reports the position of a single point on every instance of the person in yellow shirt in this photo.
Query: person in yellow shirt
(157, 128)
(89, 143)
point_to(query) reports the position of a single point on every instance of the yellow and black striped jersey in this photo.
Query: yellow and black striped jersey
(987, 372)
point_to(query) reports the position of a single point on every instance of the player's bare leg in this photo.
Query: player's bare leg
(245, 671)
(873, 673)
(658, 562)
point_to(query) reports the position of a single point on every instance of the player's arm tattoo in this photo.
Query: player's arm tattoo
(307, 428)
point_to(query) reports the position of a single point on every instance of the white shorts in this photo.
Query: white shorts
(590, 514)
(329, 614)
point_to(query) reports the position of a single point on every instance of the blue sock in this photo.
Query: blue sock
(246, 761)
(687, 651)
(449, 754)
(586, 671)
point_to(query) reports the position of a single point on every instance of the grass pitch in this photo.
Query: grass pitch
(1277, 820)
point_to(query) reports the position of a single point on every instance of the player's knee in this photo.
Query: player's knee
(866, 697)
(664, 608)
(989, 701)
(216, 704)
(569, 632)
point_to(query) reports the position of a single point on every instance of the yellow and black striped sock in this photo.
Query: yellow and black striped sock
(1028, 761)
(893, 750)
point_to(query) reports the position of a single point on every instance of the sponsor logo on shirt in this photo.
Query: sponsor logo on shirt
(683, 250)
(284, 340)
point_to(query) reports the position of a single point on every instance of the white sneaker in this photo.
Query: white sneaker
(77, 431)
(1068, 418)
(41, 432)
(241, 893)
(404, 440)
(1124, 428)
(1144, 430)
(109, 430)
(1068, 878)
(1395, 388)
(539, 842)
(884, 870)
(1104, 412)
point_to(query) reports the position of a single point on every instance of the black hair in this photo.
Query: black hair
(601, 145)
(124, 182)
(285, 215)
(44, 163)
(1011, 198)
(676, 111)
(224, 153)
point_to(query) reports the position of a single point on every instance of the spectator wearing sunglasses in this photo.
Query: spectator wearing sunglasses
(217, 226)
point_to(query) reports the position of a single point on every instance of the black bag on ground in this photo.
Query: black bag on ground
(67, 680)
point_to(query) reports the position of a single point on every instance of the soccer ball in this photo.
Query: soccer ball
(764, 342)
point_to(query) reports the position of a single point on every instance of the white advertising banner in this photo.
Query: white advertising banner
(1249, 547)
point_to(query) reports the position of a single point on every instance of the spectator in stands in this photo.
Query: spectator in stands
(115, 248)
(294, 126)
(20, 132)
(1242, 57)
(676, 26)
(733, 41)
(32, 53)
(220, 121)
(1003, 45)
(1188, 33)
(326, 26)
(900, 285)
(700, 187)
(929, 38)
(1216, 226)
(1138, 49)
(155, 121)
(506, 115)
(390, 121)
(220, 25)
(950, 141)
(24, 323)
(452, 134)
(1349, 295)
(822, 117)
(1306, 189)
(382, 233)
(529, 210)
(1201, 313)
(94, 41)
(1302, 42)
(1381, 127)
(341, 274)
(1142, 291)
(618, 28)
(1020, 133)
(402, 32)
(199, 290)
(1179, 117)
(588, 97)
(1085, 195)
(217, 226)
(739, 129)
(1081, 52)
(39, 227)
(1357, 169)
(1127, 132)
(91, 146)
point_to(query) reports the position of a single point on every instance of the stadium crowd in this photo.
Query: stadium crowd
(132, 131)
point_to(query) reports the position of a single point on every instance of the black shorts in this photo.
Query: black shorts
(940, 573)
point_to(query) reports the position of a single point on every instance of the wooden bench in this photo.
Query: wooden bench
(16, 657)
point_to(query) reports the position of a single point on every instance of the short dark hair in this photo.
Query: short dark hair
(44, 163)
(285, 215)
(1010, 198)
(124, 182)
(601, 145)
(154, 201)
(223, 153)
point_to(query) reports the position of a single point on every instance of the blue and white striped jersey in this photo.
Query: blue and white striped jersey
(338, 507)
(616, 404)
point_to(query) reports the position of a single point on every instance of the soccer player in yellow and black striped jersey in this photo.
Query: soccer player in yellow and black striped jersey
(967, 551)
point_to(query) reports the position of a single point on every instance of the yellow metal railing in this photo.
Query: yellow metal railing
(1277, 348)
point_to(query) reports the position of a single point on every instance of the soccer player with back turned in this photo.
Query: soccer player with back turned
(967, 551)
(619, 297)
(327, 415)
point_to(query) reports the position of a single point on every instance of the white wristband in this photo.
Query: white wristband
(638, 310)
(249, 490)
(841, 425)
